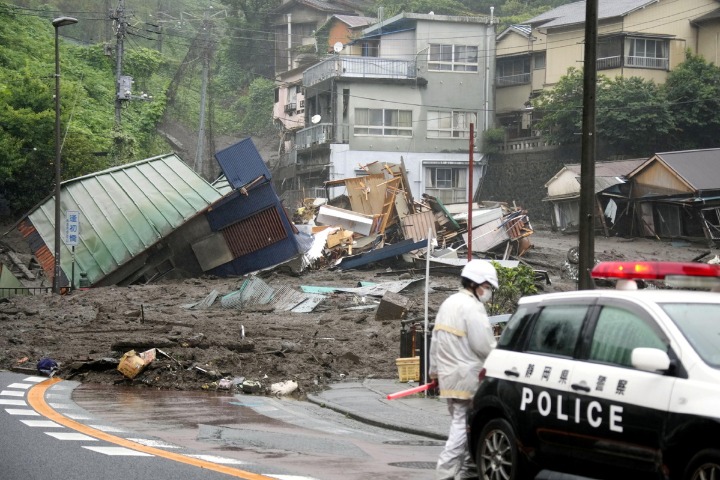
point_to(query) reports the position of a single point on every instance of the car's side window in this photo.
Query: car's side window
(618, 332)
(556, 329)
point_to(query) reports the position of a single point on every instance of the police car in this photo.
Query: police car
(620, 383)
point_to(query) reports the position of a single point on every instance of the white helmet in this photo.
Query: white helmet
(480, 271)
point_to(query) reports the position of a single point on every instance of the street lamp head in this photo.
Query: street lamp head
(63, 21)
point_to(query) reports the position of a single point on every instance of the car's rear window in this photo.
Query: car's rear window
(700, 323)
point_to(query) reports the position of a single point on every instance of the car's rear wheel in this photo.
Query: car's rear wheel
(705, 465)
(498, 457)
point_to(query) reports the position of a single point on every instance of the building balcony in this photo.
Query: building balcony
(647, 62)
(609, 62)
(510, 80)
(359, 67)
(321, 134)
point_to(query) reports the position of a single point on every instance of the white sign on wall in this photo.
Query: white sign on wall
(72, 227)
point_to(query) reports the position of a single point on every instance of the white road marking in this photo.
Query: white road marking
(13, 393)
(13, 402)
(78, 416)
(41, 423)
(71, 436)
(106, 428)
(24, 386)
(152, 443)
(34, 379)
(289, 477)
(220, 460)
(22, 411)
(118, 451)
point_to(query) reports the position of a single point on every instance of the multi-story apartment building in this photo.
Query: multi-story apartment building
(641, 38)
(296, 23)
(406, 91)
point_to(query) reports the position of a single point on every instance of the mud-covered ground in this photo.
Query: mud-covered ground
(88, 331)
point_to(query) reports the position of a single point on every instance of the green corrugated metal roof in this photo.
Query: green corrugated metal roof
(123, 211)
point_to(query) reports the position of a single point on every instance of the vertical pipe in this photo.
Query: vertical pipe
(470, 193)
(289, 42)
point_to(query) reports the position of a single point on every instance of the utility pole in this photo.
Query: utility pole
(118, 16)
(587, 159)
(208, 47)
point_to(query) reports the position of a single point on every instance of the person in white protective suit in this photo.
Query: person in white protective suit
(461, 340)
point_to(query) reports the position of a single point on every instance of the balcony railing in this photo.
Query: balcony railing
(290, 107)
(319, 134)
(359, 67)
(609, 62)
(509, 80)
(647, 62)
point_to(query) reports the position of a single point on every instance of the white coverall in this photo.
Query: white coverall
(461, 341)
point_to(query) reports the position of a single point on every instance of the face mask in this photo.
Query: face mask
(486, 295)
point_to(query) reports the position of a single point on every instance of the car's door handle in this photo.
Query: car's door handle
(582, 386)
(512, 373)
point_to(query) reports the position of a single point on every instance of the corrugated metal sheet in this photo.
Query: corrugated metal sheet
(254, 291)
(123, 212)
(241, 163)
(255, 233)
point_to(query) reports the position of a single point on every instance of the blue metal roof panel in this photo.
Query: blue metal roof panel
(124, 211)
(241, 163)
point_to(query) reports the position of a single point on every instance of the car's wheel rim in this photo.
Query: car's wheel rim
(708, 471)
(496, 457)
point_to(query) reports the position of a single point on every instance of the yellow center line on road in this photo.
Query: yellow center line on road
(36, 399)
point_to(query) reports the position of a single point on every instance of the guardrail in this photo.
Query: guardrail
(11, 291)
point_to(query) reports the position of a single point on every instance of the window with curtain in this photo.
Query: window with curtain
(386, 122)
(452, 124)
(512, 71)
(456, 58)
(647, 53)
(447, 183)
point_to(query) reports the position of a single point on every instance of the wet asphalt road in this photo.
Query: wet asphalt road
(285, 436)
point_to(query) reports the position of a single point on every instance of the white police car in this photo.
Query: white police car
(617, 384)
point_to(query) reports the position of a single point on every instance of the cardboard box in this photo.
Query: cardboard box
(132, 363)
(408, 369)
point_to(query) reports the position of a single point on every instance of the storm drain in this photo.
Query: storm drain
(416, 443)
(418, 465)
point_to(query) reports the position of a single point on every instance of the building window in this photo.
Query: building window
(512, 71)
(457, 58)
(539, 61)
(450, 124)
(646, 53)
(448, 184)
(370, 49)
(386, 122)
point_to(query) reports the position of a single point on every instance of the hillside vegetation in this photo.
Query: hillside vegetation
(165, 48)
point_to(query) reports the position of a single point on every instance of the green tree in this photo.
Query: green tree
(438, 7)
(632, 115)
(693, 91)
(256, 107)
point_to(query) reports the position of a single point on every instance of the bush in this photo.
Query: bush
(514, 283)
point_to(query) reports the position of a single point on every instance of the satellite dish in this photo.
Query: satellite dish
(338, 47)
(315, 118)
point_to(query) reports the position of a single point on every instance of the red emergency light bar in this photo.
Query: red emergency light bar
(653, 270)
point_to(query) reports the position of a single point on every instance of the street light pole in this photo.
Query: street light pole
(57, 23)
